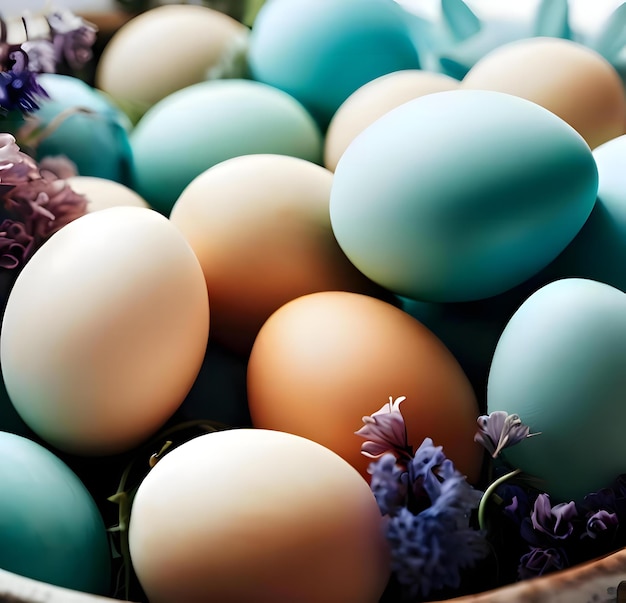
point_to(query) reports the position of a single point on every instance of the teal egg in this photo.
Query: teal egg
(321, 51)
(85, 126)
(461, 195)
(50, 527)
(560, 364)
(598, 251)
(197, 127)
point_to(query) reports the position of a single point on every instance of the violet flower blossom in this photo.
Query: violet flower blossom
(499, 430)
(35, 204)
(539, 561)
(385, 431)
(554, 521)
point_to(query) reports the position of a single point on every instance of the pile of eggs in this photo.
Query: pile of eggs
(298, 222)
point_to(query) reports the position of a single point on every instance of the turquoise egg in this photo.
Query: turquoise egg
(321, 51)
(50, 527)
(598, 251)
(560, 364)
(461, 195)
(85, 126)
(197, 127)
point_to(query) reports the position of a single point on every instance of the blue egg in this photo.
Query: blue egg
(560, 364)
(197, 127)
(86, 127)
(321, 51)
(50, 527)
(598, 251)
(461, 195)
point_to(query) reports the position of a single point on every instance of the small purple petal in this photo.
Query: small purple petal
(500, 430)
(385, 431)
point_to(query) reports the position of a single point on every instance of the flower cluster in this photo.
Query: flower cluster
(550, 537)
(35, 203)
(64, 38)
(428, 504)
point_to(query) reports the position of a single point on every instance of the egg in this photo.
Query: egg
(167, 48)
(599, 249)
(104, 331)
(570, 79)
(51, 528)
(195, 128)
(374, 99)
(252, 515)
(259, 224)
(81, 123)
(560, 364)
(321, 51)
(102, 193)
(461, 195)
(324, 360)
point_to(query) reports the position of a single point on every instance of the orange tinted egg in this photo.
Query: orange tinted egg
(569, 79)
(323, 361)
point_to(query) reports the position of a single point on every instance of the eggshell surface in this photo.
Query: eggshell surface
(321, 51)
(167, 48)
(260, 226)
(460, 195)
(102, 193)
(323, 361)
(250, 515)
(51, 528)
(372, 100)
(104, 331)
(560, 365)
(197, 127)
(570, 79)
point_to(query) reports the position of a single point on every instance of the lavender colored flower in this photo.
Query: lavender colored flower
(15, 167)
(601, 523)
(15, 244)
(554, 521)
(45, 206)
(73, 38)
(499, 430)
(41, 56)
(385, 431)
(539, 561)
(388, 484)
(429, 549)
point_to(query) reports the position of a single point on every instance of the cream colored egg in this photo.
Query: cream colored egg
(168, 48)
(257, 516)
(260, 226)
(373, 100)
(569, 79)
(105, 331)
(102, 193)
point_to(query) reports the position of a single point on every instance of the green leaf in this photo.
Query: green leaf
(460, 19)
(612, 37)
(552, 19)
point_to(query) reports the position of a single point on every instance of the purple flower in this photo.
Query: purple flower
(385, 431)
(429, 549)
(73, 38)
(499, 430)
(15, 244)
(556, 521)
(601, 523)
(388, 484)
(539, 561)
(41, 56)
(15, 167)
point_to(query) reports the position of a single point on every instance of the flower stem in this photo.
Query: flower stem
(482, 523)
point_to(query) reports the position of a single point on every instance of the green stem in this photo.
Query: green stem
(482, 523)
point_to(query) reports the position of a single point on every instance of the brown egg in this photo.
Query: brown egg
(260, 226)
(569, 79)
(323, 361)
(168, 48)
(373, 100)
